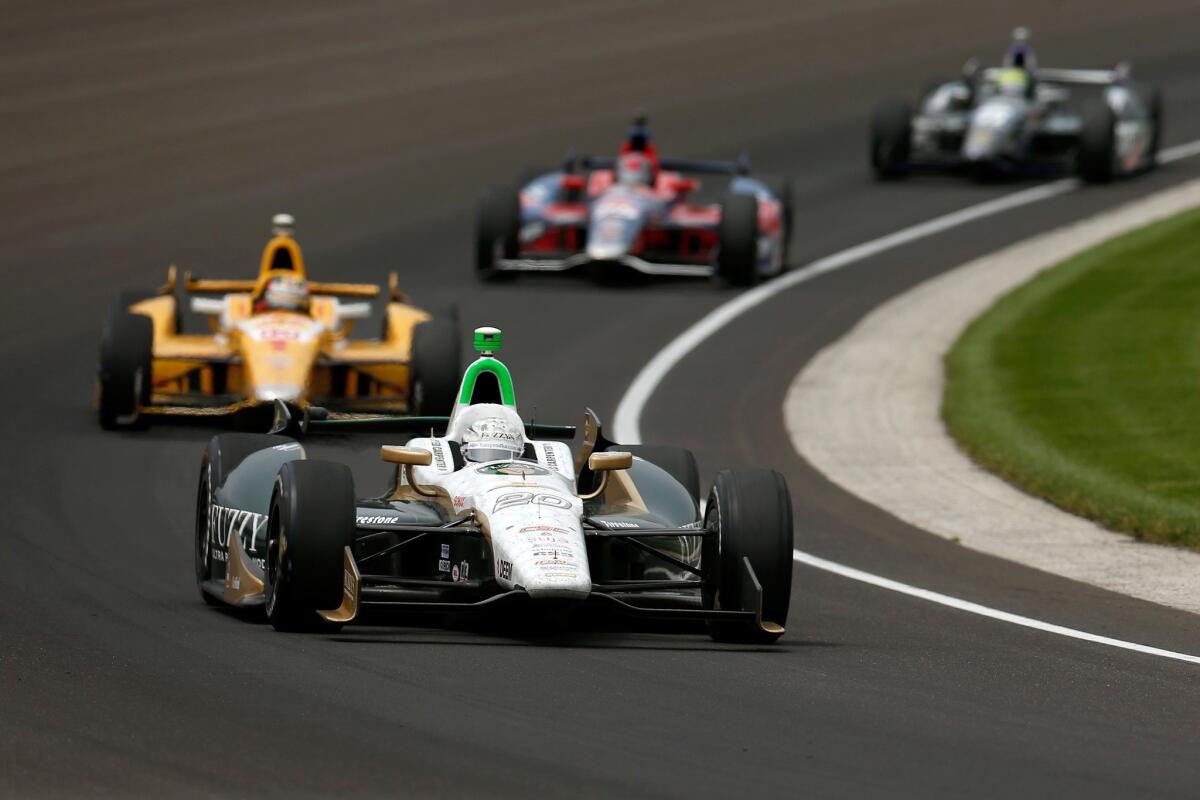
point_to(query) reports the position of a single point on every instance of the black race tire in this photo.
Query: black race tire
(678, 462)
(737, 257)
(203, 541)
(497, 221)
(311, 522)
(1154, 106)
(436, 366)
(126, 355)
(223, 454)
(751, 512)
(891, 139)
(1097, 144)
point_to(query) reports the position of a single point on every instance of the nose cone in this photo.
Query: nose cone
(609, 250)
(278, 352)
(269, 394)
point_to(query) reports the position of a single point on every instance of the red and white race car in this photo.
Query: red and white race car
(636, 211)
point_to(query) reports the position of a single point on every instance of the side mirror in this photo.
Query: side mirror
(394, 289)
(211, 306)
(684, 185)
(603, 462)
(408, 456)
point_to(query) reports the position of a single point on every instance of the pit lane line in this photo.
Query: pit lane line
(627, 420)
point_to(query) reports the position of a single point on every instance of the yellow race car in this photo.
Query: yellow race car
(279, 337)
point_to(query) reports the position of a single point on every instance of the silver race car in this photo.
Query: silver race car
(1022, 118)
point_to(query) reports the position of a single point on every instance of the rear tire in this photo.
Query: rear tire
(751, 512)
(436, 366)
(737, 258)
(891, 139)
(1097, 144)
(126, 354)
(497, 224)
(311, 523)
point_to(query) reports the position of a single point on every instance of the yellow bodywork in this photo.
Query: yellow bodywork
(250, 358)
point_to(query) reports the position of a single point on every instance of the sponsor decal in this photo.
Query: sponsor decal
(543, 529)
(444, 565)
(225, 523)
(460, 501)
(518, 468)
(454, 573)
(376, 520)
(551, 459)
(464, 570)
(612, 523)
(439, 454)
(504, 569)
(445, 551)
(524, 498)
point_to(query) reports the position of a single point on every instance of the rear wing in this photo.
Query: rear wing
(696, 166)
(209, 286)
(1073, 77)
(292, 421)
(1085, 77)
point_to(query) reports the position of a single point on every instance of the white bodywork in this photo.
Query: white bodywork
(530, 511)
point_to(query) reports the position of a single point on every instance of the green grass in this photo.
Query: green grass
(1083, 385)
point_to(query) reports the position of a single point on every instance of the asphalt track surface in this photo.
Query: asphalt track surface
(133, 134)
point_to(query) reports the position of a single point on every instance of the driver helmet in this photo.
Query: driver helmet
(1020, 53)
(635, 169)
(494, 433)
(285, 294)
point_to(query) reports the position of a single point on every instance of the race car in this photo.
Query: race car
(1022, 118)
(493, 514)
(279, 337)
(636, 212)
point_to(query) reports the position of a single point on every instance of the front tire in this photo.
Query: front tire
(1097, 144)
(1154, 107)
(225, 452)
(497, 223)
(311, 523)
(751, 512)
(891, 139)
(124, 377)
(737, 258)
(436, 366)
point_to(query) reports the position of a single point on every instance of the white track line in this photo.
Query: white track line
(628, 417)
(983, 611)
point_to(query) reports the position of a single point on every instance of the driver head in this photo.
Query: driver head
(634, 169)
(492, 432)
